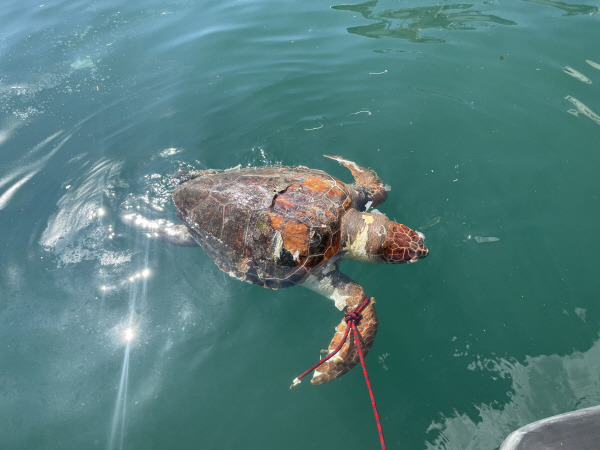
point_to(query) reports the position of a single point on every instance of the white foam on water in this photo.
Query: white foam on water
(82, 63)
(76, 232)
(115, 258)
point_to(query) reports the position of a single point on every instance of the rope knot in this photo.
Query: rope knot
(353, 316)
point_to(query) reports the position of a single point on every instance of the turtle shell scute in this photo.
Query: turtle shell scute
(268, 225)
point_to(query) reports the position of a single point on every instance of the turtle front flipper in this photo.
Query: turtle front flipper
(347, 296)
(369, 190)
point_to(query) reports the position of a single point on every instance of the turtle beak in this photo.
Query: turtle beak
(422, 250)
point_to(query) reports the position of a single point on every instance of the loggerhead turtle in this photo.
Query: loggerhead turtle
(279, 226)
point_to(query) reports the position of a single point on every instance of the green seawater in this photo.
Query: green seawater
(483, 117)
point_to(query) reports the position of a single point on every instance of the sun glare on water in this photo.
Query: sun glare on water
(128, 334)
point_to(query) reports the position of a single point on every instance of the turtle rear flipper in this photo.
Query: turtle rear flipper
(369, 190)
(177, 235)
(345, 293)
(183, 175)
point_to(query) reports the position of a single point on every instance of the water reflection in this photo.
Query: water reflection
(409, 23)
(568, 8)
(542, 386)
(127, 333)
(580, 107)
(576, 74)
(28, 166)
(593, 64)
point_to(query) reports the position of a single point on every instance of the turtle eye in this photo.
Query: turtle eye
(315, 238)
(319, 239)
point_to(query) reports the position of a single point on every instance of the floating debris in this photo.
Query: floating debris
(583, 109)
(317, 128)
(576, 74)
(431, 223)
(485, 239)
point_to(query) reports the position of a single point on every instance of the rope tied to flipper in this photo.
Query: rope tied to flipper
(352, 319)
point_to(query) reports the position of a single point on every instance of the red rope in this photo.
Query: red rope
(370, 389)
(352, 319)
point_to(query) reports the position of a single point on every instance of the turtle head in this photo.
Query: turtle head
(402, 245)
(372, 237)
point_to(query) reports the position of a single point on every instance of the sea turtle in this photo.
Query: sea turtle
(279, 226)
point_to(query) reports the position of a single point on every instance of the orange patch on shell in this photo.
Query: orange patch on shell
(295, 237)
(316, 184)
(285, 203)
(335, 193)
(276, 221)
